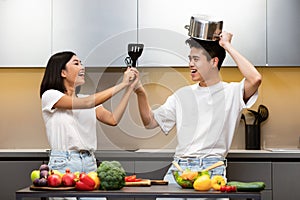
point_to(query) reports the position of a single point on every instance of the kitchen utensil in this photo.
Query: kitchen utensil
(143, 182)
(159, 182)
(134, 52)
(177, 166)
(204, 29)
(190, 176)
(252, 136)
(255, 115)
(217, 164)
(263, 113)
(60, 188)
(128, 61)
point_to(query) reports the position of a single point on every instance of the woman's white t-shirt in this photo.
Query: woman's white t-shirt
(206, 117)
(68, 129)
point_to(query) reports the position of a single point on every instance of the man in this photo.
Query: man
(207, 113)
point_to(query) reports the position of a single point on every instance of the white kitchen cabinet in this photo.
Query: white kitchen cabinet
(283, 31)
(98, 31)
(25, 35)
(161, 28)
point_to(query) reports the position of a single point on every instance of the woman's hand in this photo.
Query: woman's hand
(129, 76)
(136, 80)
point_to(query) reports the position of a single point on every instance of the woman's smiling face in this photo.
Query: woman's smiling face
(74, 72)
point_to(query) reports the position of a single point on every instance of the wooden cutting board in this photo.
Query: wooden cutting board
(143, 182)
(32, 187)
(159, 182)
(147, 182)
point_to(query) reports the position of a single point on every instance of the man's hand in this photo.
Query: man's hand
(225, 39)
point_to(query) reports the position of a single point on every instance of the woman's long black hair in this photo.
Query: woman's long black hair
(52, 77)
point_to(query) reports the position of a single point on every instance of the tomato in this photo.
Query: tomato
(233, 188)
(227, 188)
(132, 178)
(223, 188)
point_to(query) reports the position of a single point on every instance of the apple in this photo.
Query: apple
(35, 174)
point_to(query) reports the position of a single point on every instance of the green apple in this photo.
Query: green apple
(35, 174)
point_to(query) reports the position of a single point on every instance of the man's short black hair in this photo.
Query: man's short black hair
(212, 48)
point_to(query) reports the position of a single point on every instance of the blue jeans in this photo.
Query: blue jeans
(81, 161)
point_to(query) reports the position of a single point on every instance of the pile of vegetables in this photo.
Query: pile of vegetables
(240, 186)
(112, 175)
(201, 181)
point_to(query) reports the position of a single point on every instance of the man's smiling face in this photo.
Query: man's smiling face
(199, 65)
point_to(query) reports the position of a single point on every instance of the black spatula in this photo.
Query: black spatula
(134, 52)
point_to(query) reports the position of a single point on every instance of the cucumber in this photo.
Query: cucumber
(247, 186)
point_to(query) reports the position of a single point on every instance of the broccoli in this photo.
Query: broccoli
(112, 175)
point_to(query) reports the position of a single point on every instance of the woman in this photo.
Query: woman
(70, 119)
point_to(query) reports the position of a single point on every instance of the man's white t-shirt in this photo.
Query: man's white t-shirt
(68, 129)
(206, 118)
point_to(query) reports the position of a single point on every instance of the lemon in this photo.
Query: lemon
(202, 183)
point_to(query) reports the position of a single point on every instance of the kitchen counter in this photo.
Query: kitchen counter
(243, 165)
(166, 191)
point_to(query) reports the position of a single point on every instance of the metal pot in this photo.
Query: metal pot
(204, 29)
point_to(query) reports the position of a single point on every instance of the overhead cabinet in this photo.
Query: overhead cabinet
(25, 35)
(97, 30)
(164, 34)
(283, 31)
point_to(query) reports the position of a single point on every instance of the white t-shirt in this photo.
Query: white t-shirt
(205, 117)
(68, 129)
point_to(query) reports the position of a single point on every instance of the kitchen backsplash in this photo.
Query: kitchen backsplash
(21, 124)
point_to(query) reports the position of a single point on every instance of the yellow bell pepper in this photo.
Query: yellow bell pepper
(217, 181)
